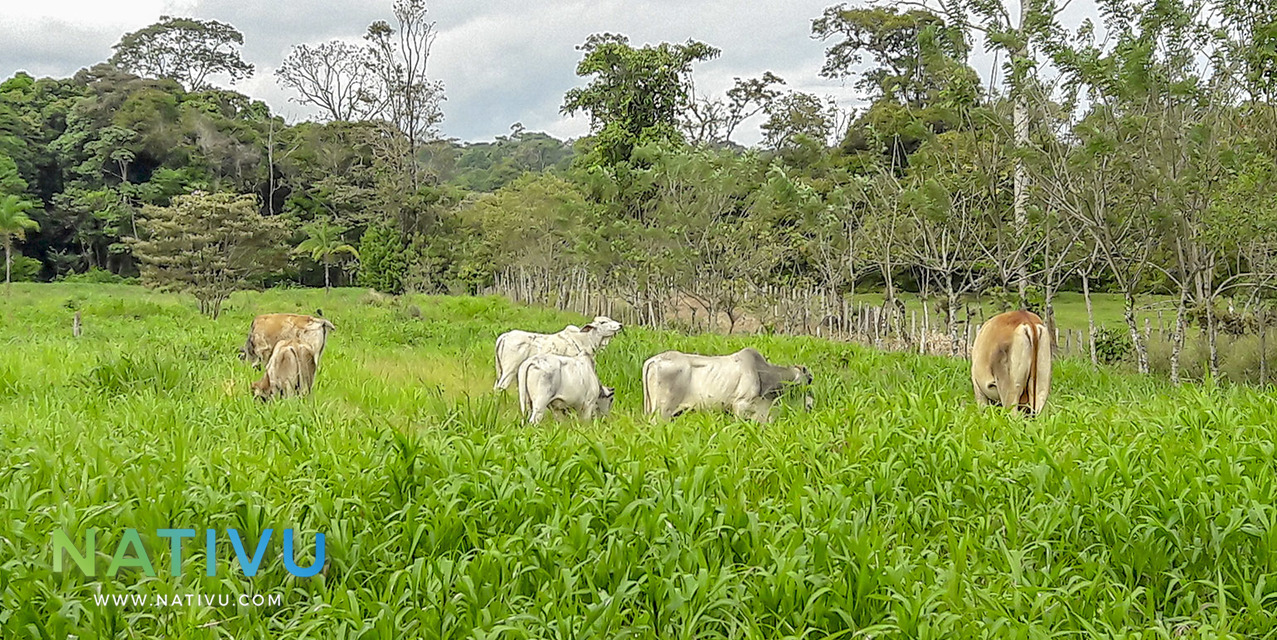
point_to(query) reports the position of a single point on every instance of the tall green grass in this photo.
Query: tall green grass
(896, 508)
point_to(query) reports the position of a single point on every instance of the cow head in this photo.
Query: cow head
(802, 375)
(261, 389)
(604, 404)
(605, 326)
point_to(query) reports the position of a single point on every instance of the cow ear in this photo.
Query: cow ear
(587, 328)
(608, 392)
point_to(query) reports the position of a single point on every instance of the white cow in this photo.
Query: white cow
(551, 381)
(513, 347)
(743, 383)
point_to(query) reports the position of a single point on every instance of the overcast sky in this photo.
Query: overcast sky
(501, 61)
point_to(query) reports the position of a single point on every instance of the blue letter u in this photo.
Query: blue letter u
(289, 558)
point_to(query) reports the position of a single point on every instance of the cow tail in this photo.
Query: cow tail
(1030, 394)
(1042, 370)
(525, 399)
(500, 341)
(647, 392)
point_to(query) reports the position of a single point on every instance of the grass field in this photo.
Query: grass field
(895, 509)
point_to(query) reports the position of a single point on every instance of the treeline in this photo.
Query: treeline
(1134, 156)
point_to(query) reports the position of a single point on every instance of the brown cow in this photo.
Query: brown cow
(290, 372)
(1011, 362)
(272, 328)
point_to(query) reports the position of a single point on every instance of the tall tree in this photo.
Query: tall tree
(324, 244)
(714, 120)
(185, 50)
(14, 223)
(635, 96)
(912, 51)
(399, 57)
(210, 245)
(1019, 35)
(334, 76)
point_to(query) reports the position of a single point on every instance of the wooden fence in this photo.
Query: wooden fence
(773, 309)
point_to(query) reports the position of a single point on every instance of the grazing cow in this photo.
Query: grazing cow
(552, 381)
(1011, 362)
(513, 347)
(743, 383)
(269, 329)
(289, 372)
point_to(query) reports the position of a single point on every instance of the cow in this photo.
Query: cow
(552, 381)
(269, 329)
(513, 347)
(1011, 362)
(289, 372)
(743, 383)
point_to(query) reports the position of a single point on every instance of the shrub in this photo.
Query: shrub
(25, 269)
(97, 275)
(1112, 344)
(382, 260)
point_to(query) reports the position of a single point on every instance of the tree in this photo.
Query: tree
(334, 76)
(210, 245)
(324, 244)
(14, 223)
(713, 121)
(1017, 37)
(398, 57)
(797, 117)
(383, 262)
(636, 96)
(185, 50)
(914, 51)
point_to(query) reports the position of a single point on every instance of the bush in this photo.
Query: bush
(96, 275)
(24, 269)
(382, 260)
(1112, 344)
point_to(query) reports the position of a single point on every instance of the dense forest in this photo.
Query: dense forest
(1135, 155)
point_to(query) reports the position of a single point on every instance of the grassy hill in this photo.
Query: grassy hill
(896, 508)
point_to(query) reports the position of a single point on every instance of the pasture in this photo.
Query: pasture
(896, 508)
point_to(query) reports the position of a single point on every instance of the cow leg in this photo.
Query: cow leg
(504, 381)
(763, 411)
(538, 412)
(981, 399)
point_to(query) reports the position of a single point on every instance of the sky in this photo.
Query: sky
(501, 61)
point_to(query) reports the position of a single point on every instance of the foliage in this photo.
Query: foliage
(383, 260)
(1112, 345)
(635, 97)
(96, 275)
(324, 244)
(14, 225)
(25, 269)
(185, 50)
(208, 244)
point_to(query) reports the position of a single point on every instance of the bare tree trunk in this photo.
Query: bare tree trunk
(1090, 317)
(1261, 316)
(1020, 117)
(1177, 338)
(1141, 352)
(1212, 335)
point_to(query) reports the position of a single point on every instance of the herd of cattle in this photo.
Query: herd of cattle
(1010, 366)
